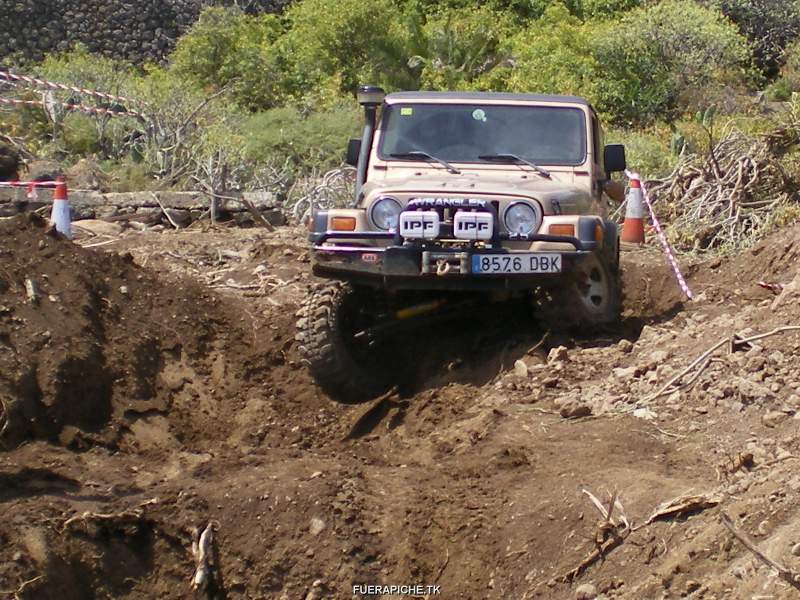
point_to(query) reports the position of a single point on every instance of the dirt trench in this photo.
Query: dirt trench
(154, 387)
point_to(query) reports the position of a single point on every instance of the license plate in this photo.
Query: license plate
(533, 262)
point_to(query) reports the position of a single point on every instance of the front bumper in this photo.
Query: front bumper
(432, 267)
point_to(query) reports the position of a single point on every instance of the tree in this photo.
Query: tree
(770, 26)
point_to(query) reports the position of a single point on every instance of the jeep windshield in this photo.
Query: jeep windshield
(475, 133)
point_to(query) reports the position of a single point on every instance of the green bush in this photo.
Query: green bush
(81, 68)
(654, 59)
(770, 26)
(458, 48)
(229, 49)
(789, 81)
(552, 56)
(607, 9)
(340, 44)
(314, 140)
(80, 135)
(648, 151)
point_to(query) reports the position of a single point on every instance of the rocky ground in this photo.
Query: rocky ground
(151, 388)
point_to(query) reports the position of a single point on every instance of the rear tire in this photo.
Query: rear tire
(348, 370)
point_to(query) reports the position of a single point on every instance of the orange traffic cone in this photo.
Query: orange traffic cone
(633, 227)
(60, 213)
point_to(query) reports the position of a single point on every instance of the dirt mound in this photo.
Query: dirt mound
(100, 351)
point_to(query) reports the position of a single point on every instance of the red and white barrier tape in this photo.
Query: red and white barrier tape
(775, 288)
(662, 238)
(13, 77)
(32, 186)
(29, 184)
(78, 107)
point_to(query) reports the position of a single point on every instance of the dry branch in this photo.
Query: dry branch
(684, 504)
(125, 517)
(16, 593)
(735, 341)
(609, 534)
(791, 577)
(203, 552)
(164, 210)
(726, 198)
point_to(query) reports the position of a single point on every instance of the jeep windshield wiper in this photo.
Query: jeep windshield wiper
(420, 154)
(519, 159)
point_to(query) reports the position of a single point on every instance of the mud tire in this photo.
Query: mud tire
(591, 300)
(324, 331)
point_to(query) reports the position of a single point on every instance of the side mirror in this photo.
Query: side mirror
(614, 158)
(353, 152)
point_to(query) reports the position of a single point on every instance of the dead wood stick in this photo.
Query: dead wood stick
(97, 244)
(128, 515)
(775, 331)
(259, 218)
(164, 210)
(785, 573)
(202, 548)
(596, 555)
(667, 386)
(16, 593)
(4, 419)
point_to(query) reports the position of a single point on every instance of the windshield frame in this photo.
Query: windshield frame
(378, 148)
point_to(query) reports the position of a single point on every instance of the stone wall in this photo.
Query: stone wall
(143, 207)
(136, 30)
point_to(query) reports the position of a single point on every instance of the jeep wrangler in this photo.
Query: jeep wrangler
(459, 195)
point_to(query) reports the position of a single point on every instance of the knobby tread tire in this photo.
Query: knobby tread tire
(322, 345)
(566, 312)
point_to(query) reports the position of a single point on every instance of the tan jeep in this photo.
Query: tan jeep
(458, 195)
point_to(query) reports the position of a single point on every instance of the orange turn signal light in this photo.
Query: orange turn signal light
(343, 224)
(598, 232)
(562, 229)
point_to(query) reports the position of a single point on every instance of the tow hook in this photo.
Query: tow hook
(442, 267)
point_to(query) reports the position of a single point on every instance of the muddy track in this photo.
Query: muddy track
(155, 386)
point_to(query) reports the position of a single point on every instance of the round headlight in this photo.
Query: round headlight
(385, 212)
(522, 218)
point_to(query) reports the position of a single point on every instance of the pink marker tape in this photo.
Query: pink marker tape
(663, 239)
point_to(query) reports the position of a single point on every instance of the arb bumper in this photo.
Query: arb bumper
(403, 267)
(384, 259)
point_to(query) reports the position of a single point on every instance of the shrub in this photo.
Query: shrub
(769, 25)
(789, 80)
(653, 58)
(553, 55)
(81, 68)
(80, 135)
(607, 9)
(457, 48)
(227, 48)
(648, 151)
(306, 141)
(347, 42)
